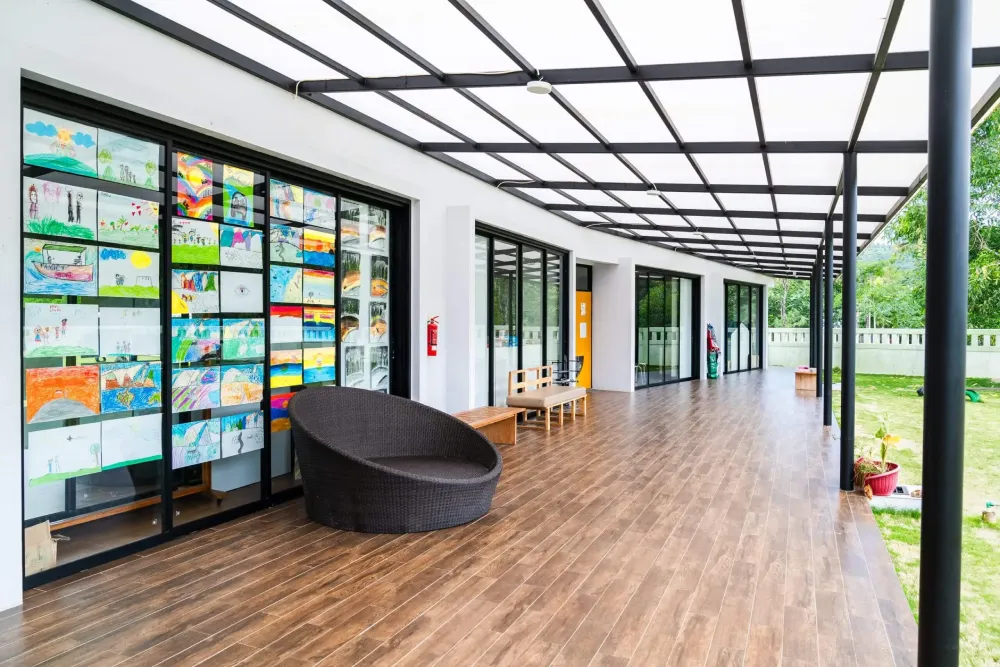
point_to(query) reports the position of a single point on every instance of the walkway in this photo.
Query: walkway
(695, 524)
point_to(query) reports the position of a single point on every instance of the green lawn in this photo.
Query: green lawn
(878, 395)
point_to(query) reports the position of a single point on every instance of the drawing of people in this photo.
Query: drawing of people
(197, 282)
(64, 327)
(38, 335)
(69, 205)
(79, 207)
(32, 202)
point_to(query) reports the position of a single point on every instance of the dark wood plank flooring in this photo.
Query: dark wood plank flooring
(695, 524)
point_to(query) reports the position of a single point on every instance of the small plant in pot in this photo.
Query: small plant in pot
(873, 469)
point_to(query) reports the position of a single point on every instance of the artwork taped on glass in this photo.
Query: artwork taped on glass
(380, 276)
(53, 394)
(286, 244)
(195, 340)
(378, 228)
(125, 159)
(319, 248)
(242, 433)
(128, 220)
(130, 332)
(352, 215)
(59, 210)
(196, 388)
(129, 441)
(133, 274)
(59, 268)
(378, 325)
(194, 242)
(243, 338)
(133, 385)
(286, 368)
(319, 364)
(242, 384)
(61, 453)
(194, 187)
(60, 330)
(354, 366)
(242, 292)
(320, 209)
(379, 366)
(194, 292)
(319, 324)
(286, 201)
(350, 321)
(241, 247)
(318, 287)
(195, 442)
(286, 324)
(279, 412)
(351, 285)
(59, 144)
(286, 284)
(237, 195)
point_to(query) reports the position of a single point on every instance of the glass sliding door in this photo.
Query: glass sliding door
(505, 327)
(532, 266)
(732, 322)
(657, 321)
(754, 329)
(743, 327)
(664, 317)
(554, 320)
(482, 342)
(642, 330)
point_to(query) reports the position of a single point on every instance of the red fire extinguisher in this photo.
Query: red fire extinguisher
(432, 337)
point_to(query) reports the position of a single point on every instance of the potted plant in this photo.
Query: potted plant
(873, 470)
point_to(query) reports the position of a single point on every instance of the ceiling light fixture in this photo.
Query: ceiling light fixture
(539, 87)
(653, 192)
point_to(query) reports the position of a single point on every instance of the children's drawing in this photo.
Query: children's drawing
(134, 274)
(319, 364)
(195, 442)
(351, 274)
(194, 187)
(380, 276)
(59, 268)
(243, 338)
(195, 340)
(286, 201)
(134, 385)
(128, 160)
(286, 368)
(242, 292)
(378, 326)
(194, 292)
(286, 244)
(350, 321)
(279, 412)
(59, 210)
(195, 388)
(320, 209)
(286, 324)
(319, 248)
(354, 364)
(286, 284)
(242, 384)
(241, 247)
(242, 433)
(130, 332)
(352, 215)
(126, 442)
(59, 144)
(379, 367)
(319, 324)
(60, 330)
(61, 453)
(378, 228)
(318, 287)
(53, 394)
(128, 220)
(194, 242)
(237, 195)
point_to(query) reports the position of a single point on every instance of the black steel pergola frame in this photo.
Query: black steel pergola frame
(668, 236)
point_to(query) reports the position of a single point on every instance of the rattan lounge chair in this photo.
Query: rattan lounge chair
(377, 463)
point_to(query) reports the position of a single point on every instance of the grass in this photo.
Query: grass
(896, 396)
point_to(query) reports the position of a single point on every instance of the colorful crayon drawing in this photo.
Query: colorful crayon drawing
(127, 220)
(194, 242)
(126, 442)
(194, 187)
(242, 339)
(194, 340)
(286, 201)
(237, 195)
(279, 412)
(380, 276)
(134, 274)
(195, 388)
(319, 364)
(318, 287)
(195, 442)
(59, 268)
(351, 285)
(62, 453)
(286, 324)
(60, 330)
(378, 325)
(319, 248)
(319, 324)
(194, 292)
(320, 209)
(130, 332)
(286, 244)
(53, 394)
(242, 433)
(132, 385)
(242, 292)
(379, 366)
(242, 384)
(350, 320)
(286, 368)
(128, 160)
(59, 210)
(378, 228)
(352, 214)
(59, 144)
(354, 364)
(241, 247)
(286, 284)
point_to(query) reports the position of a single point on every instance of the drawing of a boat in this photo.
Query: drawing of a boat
(65, 262)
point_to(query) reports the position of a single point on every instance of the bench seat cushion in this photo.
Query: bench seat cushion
(546, 397)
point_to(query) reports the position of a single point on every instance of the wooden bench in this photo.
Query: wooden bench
(498, 425)
(805, 379)
(539, 394)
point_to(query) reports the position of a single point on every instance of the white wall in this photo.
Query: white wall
(82, 51)
(613, 323)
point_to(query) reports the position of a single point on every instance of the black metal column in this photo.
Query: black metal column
(828, 324)
(812, 319)
(818, 271)
(849, 321)
(944, 356)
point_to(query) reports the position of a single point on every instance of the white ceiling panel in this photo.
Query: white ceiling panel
(867, 204)
(664, 167)
(794, 28)
(739, 169)
(649, 232)
(393, 115)
(801, 225)
(736, 201)
(692, 200)
(626, 218)
(913, 30)
(619, 111)
(702, 31)
(592, 197)
(890, 169)
(806, 168)
(810, 108)
(601, 167)
(545, 195)
(542, 166)
(538, 115)
(709, 109)
(585, 216)
(799, 251)
(755, 223)
(489, 166)
(459, 113)
(867, 227)
(706, 221)
(721, 237)
(803, 203)
(633, 198)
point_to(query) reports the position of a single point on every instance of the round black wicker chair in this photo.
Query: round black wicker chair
(377, 463)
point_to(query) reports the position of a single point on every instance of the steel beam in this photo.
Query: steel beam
(668, 188)
(820, 328)
(849, 322)
(828, 325)
(647, 147)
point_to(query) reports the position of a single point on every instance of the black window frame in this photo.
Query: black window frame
(696, 371)
(756, 318)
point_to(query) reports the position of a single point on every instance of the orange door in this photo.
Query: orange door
(583, 336)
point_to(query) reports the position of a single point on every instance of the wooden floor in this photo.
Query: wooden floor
(695, 524)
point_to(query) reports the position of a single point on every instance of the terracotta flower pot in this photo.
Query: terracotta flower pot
(883, 484)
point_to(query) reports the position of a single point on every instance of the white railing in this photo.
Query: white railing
(887, 351)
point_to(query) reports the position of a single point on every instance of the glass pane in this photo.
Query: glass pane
(532, 263)
(732, 321)
(504, 317)
(583, 277)
(657, 328)
(754, 328)
(744, 328)
(686, 288)
(672, 332)
(642, 329)
(482, 372)
(554, 325)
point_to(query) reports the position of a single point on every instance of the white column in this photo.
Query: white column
(457, 335)
(613, 322)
